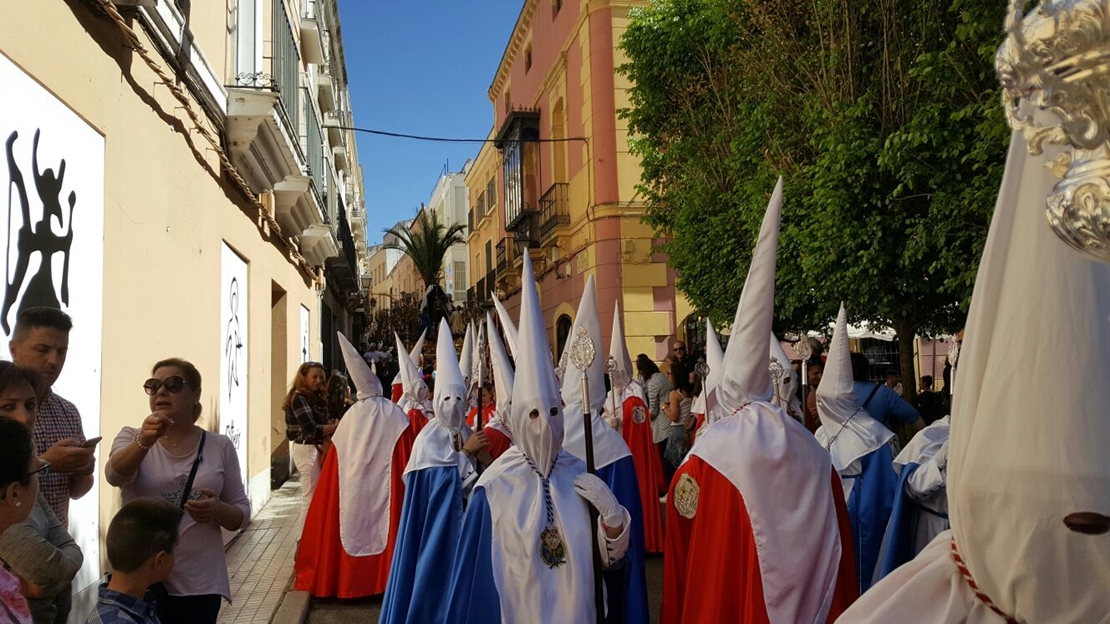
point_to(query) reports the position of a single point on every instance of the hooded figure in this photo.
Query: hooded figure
(497, 427)
(861, 453)
(1028, 477)
(350, 529)
(438, 479)
(526, 546)
(756, 525)
(612, 457)
(414, 399)
(627, 399)
(398, 388)
(920, 511)
(786, 386)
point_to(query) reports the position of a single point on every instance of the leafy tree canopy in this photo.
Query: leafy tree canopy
(884, 119)
(426, 240)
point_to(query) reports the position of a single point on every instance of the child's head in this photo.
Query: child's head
(142, 536)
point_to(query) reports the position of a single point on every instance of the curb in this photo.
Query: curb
(293, 608)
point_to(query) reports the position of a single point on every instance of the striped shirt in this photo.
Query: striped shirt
(658, 390)
(58, 419)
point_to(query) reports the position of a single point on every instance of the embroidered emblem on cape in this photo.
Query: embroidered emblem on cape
(686, 496)
(638, 414)
(552, 550)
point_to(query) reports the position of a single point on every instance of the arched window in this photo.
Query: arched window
(562, 330)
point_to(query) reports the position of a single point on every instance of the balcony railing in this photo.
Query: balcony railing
(554, 209)
(502, 256)
(314, 151)
(286, 65)
(491, 281)
(480, 292)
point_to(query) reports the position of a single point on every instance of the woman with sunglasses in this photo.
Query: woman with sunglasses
(19, 489)
(170, 456)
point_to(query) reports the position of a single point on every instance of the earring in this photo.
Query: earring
(18, 503)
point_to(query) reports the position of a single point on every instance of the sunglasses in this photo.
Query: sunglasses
(41, 471)
(173, 384)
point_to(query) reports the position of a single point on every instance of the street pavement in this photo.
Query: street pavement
(368, 610)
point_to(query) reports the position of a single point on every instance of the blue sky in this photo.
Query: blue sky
(419, 67)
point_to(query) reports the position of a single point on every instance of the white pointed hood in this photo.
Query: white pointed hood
(707, 402)
(851, 430)
(618, 350)
(502, 367)
(417, 349)
(507, 326)
(466, 357)
(415, 391)
(449, 399)
(366, 382)
(1030, 426)
(608, 444)
(745, 377)
(589, 320)
(364, 443)
(540, 438)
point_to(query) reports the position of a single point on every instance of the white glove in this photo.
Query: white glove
(594, 490)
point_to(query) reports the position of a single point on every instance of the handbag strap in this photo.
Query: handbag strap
(867, 401)
(193, 473)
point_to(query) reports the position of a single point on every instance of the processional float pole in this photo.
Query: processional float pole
(582, 354)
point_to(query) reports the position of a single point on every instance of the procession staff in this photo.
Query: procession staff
(756, 525)
(350, 530)
(612, 457)
(526, 541)
(438, 478)
(861, 454)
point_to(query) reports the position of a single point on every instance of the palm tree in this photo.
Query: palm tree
(426, 240)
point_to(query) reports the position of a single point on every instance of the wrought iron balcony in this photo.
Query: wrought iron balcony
(286, 64)
(503, 253)
(554, 209)
(480, 291)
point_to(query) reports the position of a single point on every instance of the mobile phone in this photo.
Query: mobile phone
(91, 443)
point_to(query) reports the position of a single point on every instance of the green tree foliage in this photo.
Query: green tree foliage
(883, 116)
(427, 241)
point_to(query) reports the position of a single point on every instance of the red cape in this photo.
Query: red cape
(396, 392)
(487, 413)
(323, 567)
(417, 419)
(498, 442)
(711, 571)
(649, 470)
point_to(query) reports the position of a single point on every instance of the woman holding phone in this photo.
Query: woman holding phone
(171, 457)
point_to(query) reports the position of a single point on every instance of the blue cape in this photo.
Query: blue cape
(473, 596)
(869, 509)
(427, 539)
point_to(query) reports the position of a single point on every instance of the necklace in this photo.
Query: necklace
(552, 550)
(828, 447)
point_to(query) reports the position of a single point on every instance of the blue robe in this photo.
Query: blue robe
(427, 539)
(473, 596)
(869, 507)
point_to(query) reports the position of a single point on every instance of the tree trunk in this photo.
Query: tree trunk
(906, 331)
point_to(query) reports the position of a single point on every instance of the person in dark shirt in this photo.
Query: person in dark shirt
(140, 544)
(928, 401)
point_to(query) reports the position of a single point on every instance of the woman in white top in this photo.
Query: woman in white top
(171, 457)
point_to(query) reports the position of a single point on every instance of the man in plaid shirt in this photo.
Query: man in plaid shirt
(40, 342)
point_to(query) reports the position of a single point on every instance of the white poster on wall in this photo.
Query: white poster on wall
(306, 350)
(233, 353)
(52, 173)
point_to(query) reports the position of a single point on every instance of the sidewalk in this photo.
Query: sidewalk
(260, 560)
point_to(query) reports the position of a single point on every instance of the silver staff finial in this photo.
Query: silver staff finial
(582, 350)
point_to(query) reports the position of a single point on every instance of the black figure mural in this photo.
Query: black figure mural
(36, 237)
(233, 349)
